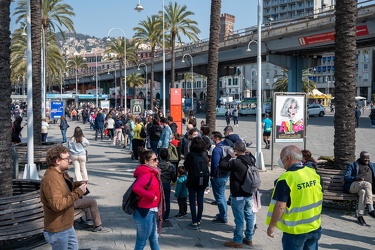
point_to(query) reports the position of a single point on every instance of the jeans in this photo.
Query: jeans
(199, 194)
(308, 241)
(235, 120)
(100, 131)
(44, 137)
(154, 146)
(364, 191)
(66, 239)
(63, 133)
(136, 144)
(80, 171)
(167, 195)
(146, 229)
(242, 208)
(130, 138)
(372, 122)
(218, 189)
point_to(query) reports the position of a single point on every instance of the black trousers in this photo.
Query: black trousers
(137, 145)
(182, 205)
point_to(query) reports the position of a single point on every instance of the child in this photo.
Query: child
(181, 193)
(168, 174)
(175, 139)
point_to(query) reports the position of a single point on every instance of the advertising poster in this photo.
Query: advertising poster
(104, 104)
(57, 109)
(290, 117)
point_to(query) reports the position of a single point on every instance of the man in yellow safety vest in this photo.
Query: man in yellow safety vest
(296, 203)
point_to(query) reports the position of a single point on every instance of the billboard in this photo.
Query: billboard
(57, 109)
(289, 117)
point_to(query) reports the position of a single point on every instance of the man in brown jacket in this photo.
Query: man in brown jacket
(58, 196)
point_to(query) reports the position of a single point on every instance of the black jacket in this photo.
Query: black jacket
(237, 173)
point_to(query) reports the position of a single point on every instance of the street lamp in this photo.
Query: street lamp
(248, 45)
(145, 79)
(96, 76)
(76, 76)
(124, 61)
(192, 79)
(114, 66)
(139, 8)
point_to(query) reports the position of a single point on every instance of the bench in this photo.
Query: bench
(21, 215)
(333, 185)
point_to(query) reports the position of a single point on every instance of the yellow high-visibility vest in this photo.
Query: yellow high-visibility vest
(306, 198)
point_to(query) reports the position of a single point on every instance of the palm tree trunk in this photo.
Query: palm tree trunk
(213, 63)
(5, 92)
(152, 79)
(36, 65)
(345, 83)
(173, 39)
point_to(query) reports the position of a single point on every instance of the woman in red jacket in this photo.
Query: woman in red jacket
(148, 217)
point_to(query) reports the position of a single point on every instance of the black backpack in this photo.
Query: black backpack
(199, 173)
(143, 133)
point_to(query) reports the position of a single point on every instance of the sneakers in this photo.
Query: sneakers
(233, 244)
(207, 190)
(194, 226)
(372, 213)
(166, 219)
(180, 216)
(361, 221)
(247, 242)
(101, 229)
(88, 223)
(219, 221)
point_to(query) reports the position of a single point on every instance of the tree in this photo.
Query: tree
(5, 92)
(78, 63)
(116, 47)
(149, 31)
(213, 63)
(281, 84)
(345, 83)
(178, 23)
(135, 80)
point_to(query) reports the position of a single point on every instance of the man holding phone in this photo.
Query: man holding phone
(58, 196)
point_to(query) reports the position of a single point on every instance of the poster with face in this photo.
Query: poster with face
(290, 117)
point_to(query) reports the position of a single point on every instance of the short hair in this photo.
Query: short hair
(197, 145)
(205, 130)
(164, 120)
(294, 152)
(138, 120)
(287, 104)
(163, 154)
(239, 146)
(193, 122)
(181, 170)
(228, 129)
(55, 153)
(145, 156)
(267, 115)
(217, 135)
(170, 118)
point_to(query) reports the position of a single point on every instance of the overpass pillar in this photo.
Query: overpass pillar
(295, 65)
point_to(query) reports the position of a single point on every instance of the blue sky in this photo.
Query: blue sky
(97, 17)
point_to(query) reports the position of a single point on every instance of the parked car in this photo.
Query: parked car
(315, 109)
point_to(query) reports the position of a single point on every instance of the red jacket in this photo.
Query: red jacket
(146, 197)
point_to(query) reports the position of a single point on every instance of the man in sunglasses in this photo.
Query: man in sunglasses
(359, 178)
(58, 197)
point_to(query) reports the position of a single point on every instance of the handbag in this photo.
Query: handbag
(130, 199)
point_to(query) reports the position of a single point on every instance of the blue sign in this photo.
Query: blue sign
(187, 103)
(57, 109)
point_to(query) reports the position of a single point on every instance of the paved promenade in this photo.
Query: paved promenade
(110, 172)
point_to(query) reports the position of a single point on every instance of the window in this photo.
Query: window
(229, 82)
(365, 67)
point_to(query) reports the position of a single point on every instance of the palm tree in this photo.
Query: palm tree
(116, 47)
(78, 63)
(281, 84)
(5, 85)
(178, 23)
(135, 80)
(345, 83)
(213, 63)
(149, 31)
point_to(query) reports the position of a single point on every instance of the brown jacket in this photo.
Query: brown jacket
(58, 200)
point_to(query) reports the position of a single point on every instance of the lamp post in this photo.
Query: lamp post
(251, 81)
(145, 79)
(139, 8)
(248, 45)
(76, 75)
(114, 66)
(192, 79)
(124, 62)
(96, 80)
(96, 76)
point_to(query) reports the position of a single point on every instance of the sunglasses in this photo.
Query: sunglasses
(154, 159)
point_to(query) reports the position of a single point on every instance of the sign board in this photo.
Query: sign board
(188, 103)
(104, 104)
(136, 106)
(289, 117)
(176, 107)
(57, 109)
